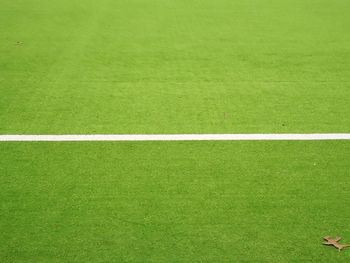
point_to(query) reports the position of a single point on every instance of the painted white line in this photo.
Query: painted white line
(177, 137)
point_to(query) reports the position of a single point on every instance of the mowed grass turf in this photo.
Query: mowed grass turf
(174, 201)
(165, 66)
(174, 66)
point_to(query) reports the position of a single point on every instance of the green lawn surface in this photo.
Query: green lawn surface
(174, 66)
(174, 201)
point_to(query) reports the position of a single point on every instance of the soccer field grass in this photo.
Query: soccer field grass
(174, 67)
(174, 201)
(183, 66)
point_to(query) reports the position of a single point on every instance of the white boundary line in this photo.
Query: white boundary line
(176, 137)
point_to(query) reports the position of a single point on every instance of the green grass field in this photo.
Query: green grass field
(164, 67)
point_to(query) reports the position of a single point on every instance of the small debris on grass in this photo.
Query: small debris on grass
(334, 242)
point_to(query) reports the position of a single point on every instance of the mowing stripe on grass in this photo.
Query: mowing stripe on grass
(178, 137)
